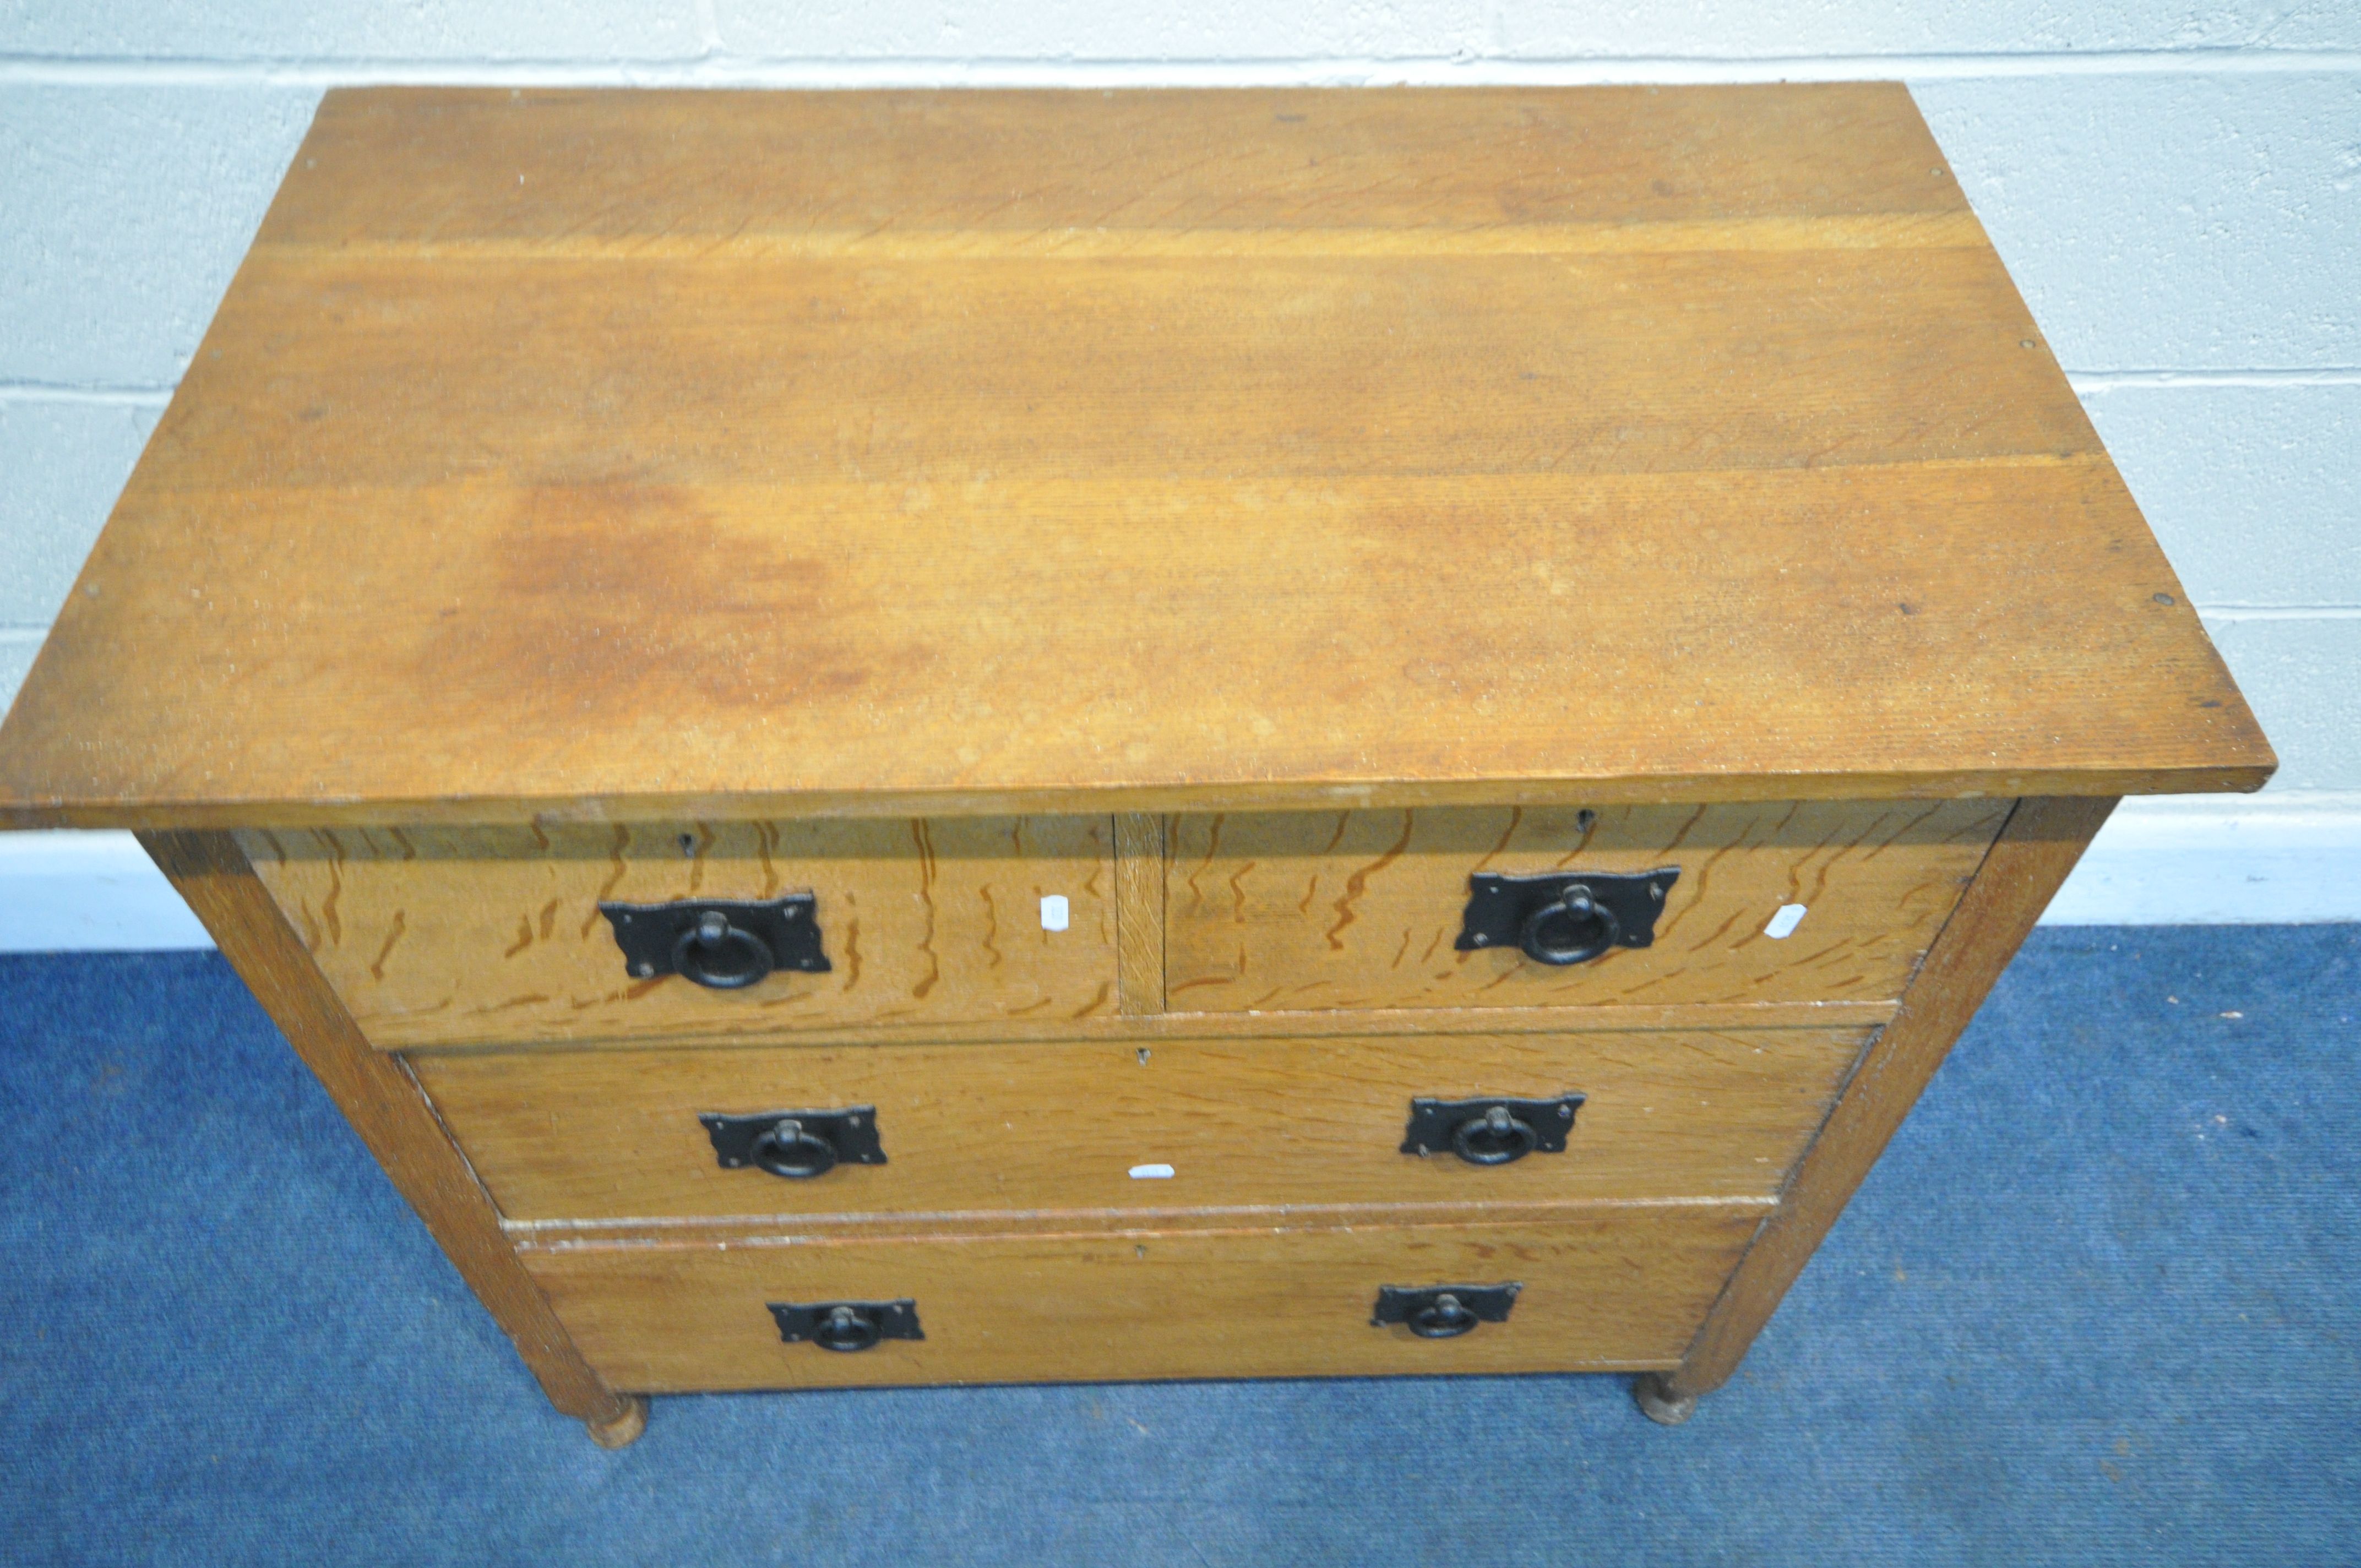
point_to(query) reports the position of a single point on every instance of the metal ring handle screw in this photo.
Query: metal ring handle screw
(722, 956)
(1496, 1137)
(1572, 929)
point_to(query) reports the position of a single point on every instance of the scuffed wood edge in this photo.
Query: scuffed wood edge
(2036, 849)
(1148, 1028)
(747, 1233)
(385, 1106)
(22, 807)
(1139, 841)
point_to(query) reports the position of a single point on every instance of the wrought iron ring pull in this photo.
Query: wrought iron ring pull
(847, 1328)
(1490, 1130)
(722, 944)
(1573, 930)
(1443, 1311)
(1443, 1318)
(1563, 917)
(1496, 1137)
(719, 953)
(796, 1144)
(787, 1149)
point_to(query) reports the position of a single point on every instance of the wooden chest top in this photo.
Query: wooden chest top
(618, 454)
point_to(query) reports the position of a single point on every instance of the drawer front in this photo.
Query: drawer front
(1621, 1287)
(441, 936)
(1299, 911)
(617, 1134)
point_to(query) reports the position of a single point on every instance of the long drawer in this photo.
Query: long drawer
(1614, 1288)
(1297, 911)
(620, 1134)
(453, 936)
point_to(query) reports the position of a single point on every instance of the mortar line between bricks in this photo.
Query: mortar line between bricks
(110, 396)
(727, 69)
(2277, 612)
(2088, 382)
(2304, 798)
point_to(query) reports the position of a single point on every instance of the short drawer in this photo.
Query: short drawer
(442, 935)
(587, 1135)
(1299, 911)
(1623, 1288)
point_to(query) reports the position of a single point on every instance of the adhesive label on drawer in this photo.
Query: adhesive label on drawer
(1151, 1173)
(1782, 925)
(1054, 914)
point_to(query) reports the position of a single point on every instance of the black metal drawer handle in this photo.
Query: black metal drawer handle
(845, 1326)
(1496, 1137)
(1490, 1131)
(797, 1144)
(784, 1148)
(1443, 1311)
(1565, 918)
(721, 944)
(713, 952)
(1573, 929)
(1443, 1318)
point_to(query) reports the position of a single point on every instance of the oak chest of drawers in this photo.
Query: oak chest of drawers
(887, 737)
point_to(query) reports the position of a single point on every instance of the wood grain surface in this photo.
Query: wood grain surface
(1135, 1030)
(1613, 1286)
(1297, 911)
(969, 453)
(1139, 862)
(438, 936)
(615, 1134)
(2028, 862)
(386, 1109)
(887, 174)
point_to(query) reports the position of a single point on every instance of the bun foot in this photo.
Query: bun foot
(1658, 1403)
(623, 1428)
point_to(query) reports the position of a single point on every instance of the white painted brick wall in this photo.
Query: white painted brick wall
(2175, 186)
(460, 33)
(2181, 223)
(66, 462)
(2251, 489)
(123, 211)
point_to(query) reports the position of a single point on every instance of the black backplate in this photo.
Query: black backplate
(1490, 1303)
(894, 1320)
(648, 933)
(1497, 906)
(852, 1130)
(1431, 1122)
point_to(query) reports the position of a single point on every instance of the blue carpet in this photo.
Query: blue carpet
(2097, 1305)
